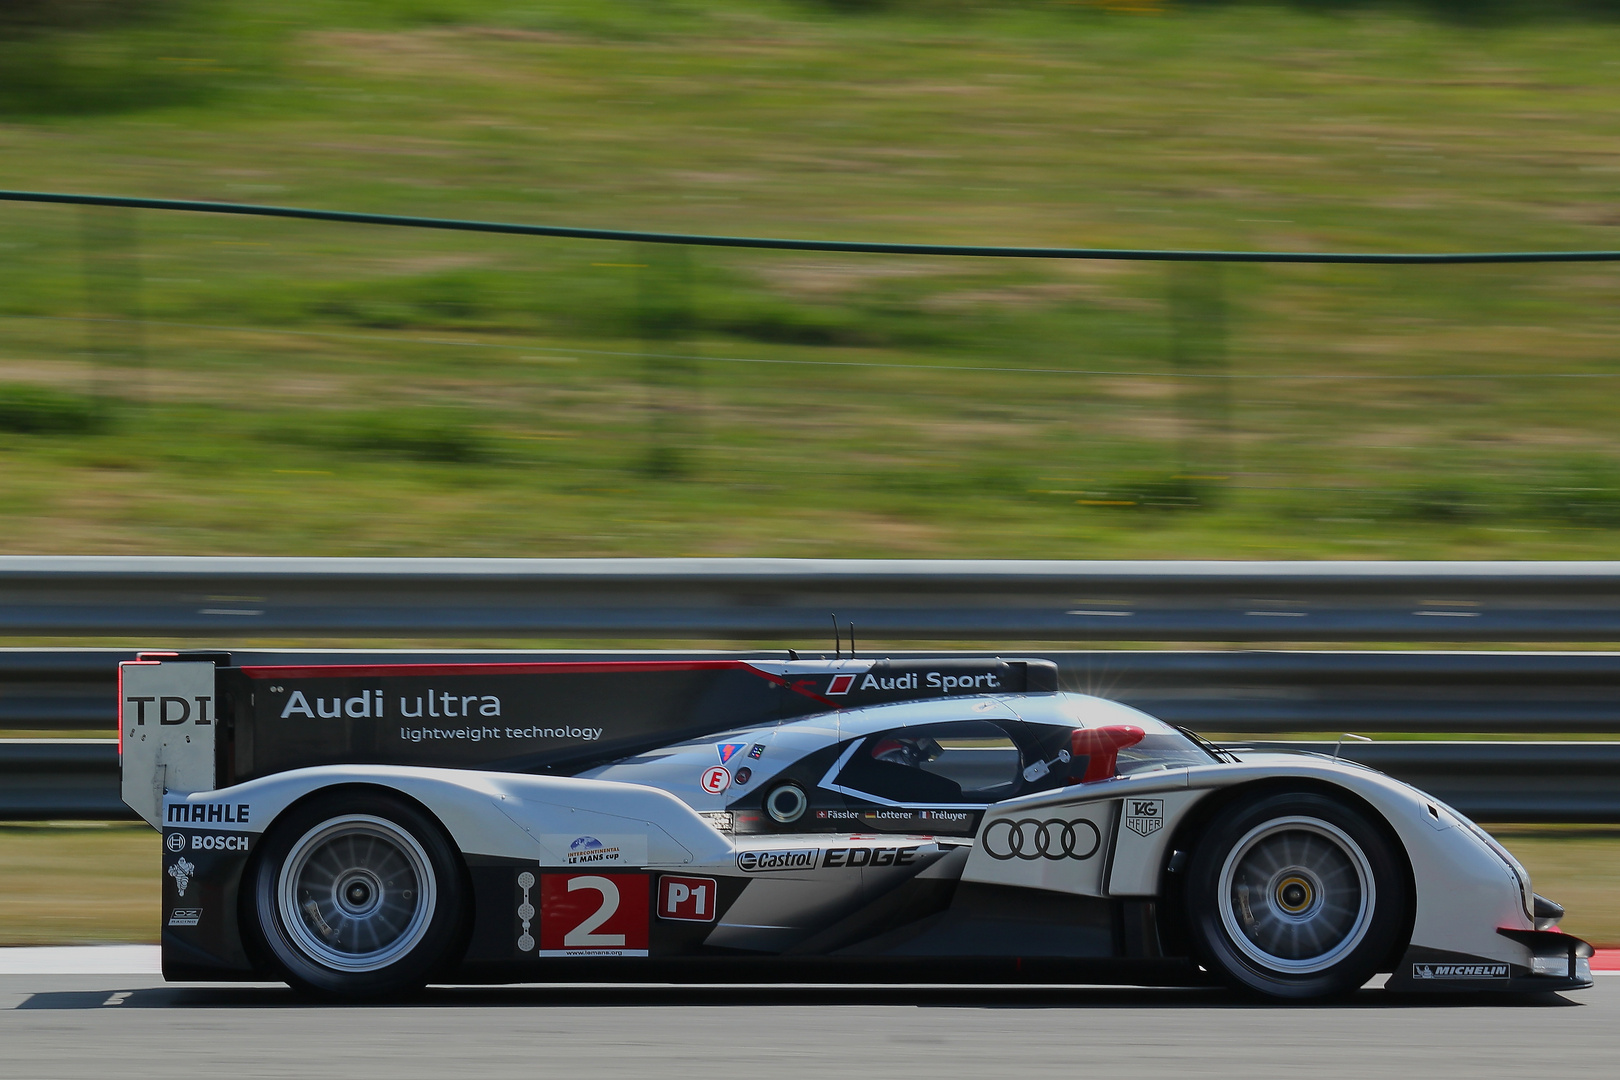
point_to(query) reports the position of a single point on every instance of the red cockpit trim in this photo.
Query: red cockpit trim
(1102, 746)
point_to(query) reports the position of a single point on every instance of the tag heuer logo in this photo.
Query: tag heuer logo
(1144, 816)
(1459, 971)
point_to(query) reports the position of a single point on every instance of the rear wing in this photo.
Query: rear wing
(194, 722)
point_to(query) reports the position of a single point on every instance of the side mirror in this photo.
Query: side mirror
(1100, 747)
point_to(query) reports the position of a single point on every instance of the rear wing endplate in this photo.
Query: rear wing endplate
(168, 717)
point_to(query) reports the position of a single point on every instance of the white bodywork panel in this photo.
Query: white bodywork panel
(1465, 888)
(681, 767)
(1141, 846)
(1061, 847)
(486, 813)
(1132, 869)
(782, 907)
(166, 731)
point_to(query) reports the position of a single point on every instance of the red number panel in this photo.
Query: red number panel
(593, 915)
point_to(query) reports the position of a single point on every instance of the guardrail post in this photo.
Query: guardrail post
(665, 320)
(1197, 296)
(110, 245)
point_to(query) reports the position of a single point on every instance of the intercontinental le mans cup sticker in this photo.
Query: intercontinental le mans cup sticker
(597, 849)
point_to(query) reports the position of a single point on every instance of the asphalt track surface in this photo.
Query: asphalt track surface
(135, 1026)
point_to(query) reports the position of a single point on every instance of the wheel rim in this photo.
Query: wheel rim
(356, 893)
(1296, 895)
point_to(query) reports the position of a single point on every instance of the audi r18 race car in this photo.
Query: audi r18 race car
(360, 831)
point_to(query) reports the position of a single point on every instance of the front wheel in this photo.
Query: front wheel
(358, 896)
(1295, 896)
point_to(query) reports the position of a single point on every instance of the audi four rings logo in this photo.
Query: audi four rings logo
(1030, 839)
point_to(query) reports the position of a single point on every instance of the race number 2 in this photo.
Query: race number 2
(593, 915)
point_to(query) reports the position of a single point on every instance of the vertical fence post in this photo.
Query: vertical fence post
(1198, 348)
(665, 319)
(110, 245)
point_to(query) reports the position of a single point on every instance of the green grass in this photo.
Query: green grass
(1579, 867)
(270, 387)
(64, 883)
(41, 410)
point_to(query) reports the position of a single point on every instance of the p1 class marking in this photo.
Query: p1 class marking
(716, 780)
(687, 899)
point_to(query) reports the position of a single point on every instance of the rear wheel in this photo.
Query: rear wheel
(1295, 896)
(358, 896)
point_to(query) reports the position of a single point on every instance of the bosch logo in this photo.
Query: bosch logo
(218, 842)
(1030, 839)
(175, 842)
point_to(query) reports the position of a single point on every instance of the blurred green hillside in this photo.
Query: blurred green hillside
(197, 384)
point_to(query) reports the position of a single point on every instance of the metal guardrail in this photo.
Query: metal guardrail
(1214, 692)
(790, 599)
(60, 780)
(65, 779)
(1499, 781)
(1417, 692)
(1249, 692)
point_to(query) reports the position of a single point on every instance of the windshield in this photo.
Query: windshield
(1160, 750)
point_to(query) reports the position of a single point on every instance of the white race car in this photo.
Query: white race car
(362, 831)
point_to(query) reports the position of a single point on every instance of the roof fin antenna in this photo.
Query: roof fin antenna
(837, 641)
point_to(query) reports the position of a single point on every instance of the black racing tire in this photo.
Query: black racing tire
(357, 895)
(1296, 896)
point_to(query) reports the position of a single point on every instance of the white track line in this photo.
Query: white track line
(81, 960)
(147, 960)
